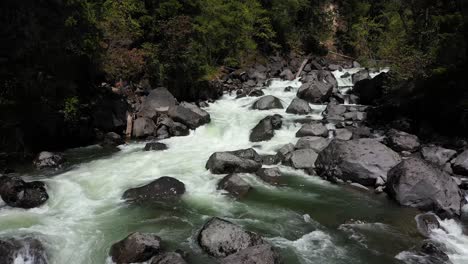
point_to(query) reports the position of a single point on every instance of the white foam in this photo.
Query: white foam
(451, 235)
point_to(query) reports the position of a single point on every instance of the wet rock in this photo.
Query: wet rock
(225, 162)
(402, 141)
(284, 151)
(194, 108)
(137, 247)
(301, 159)
(47, 159)
(317, 129)
(168, 258)
(187, 117)
(249, 153)
(299, 107)
(315, 92)
(360, 75)
(334, 109)
(270, 175)
(261, 254)
(288, 89)
(270, 159)
(256, 93)
(343, 134)
(159, 100)
(315, 143)
(234, 185)
(435, 254)
(267, 102)
(113, 139)
(143, 127)
(220, 238)
(265, 129)
(24, 250)
(437, 155)
(18, 193)
(157, 146)
(460, 164)
(173, 128)
(162, 189)
(416, 183)
(361, 132)
(287, 74)
(426, 222)
(335, 67)
(358, 160)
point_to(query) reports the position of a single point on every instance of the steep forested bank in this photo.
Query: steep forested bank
(64, 60)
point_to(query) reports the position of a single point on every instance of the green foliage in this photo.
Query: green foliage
(71, 109)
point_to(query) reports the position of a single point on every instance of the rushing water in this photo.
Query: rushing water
(310, 220)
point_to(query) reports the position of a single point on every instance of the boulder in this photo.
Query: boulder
(267, 102)
(402, 141)
(225, 162)
(460, 164)
(22, 250)
(155, 146)
(437, 155)
(18, 193)
(270, 175)
(416, 183)
(287, 74)
(370, 91)
(315, 143)
(260, 254)
(234, 185)
(168, 258)
(143, 127)
(187, 117)
(112, 139)
(162, 189)
(220, 238)
(357, 160)
(265, 129)
(334, 109)
(158, 101)
(283, 152)
(136, 247)
(317, 129)
(434, 253)
(270, 159)
(194, 108)
(47, 159)
(256, 93)
(426, 222)
(360, 75)
(301, 159)
(167, 125)
(299, 107)
(249, 153)
(343, 134)
(335, 67)
(315, 92)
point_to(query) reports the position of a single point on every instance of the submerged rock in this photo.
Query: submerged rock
(137, 247)
(162, 189)
(270, 175)
(234, 185)
(24, 250)
(47, 159)
(426, 223)
(416, 183)
(265, 129)
(225, 162)
(220, 238)
(18, 193)
(358, 160)
(299, 107)
(267, 102)
(155, 146)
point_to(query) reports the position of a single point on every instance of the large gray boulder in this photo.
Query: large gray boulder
(265, 129)
(225, 162)
(168, 127)
(460, 164)
(234, 185)
(287, 74)
(416, 183)
(317, 129)
(24, 250)
(249, 153)
(157, 146)
(144, 127)
(194, 108)
(187, 116)
(260, 254)
(315, 143)
(270, 175)
(162, 189)
(358, 160)
(220, 238)
(47, 159)
(315, 92)
(158, 101)
(299, 107)
(267, 102)
(301, 159)
(17, 193)
(136, 247)
(437, 155)
(402, 141)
